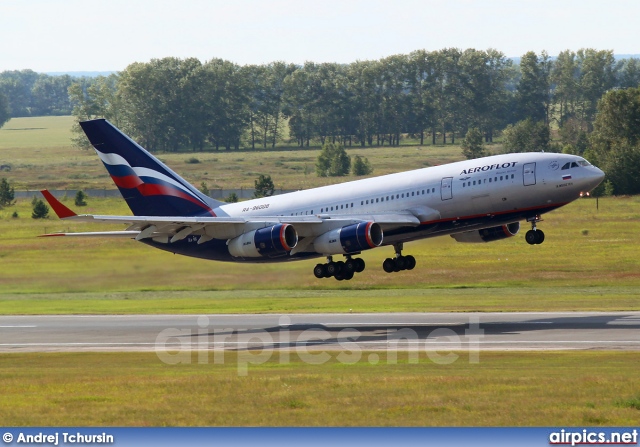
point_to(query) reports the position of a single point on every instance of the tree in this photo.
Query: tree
(94, 98)
(472, 144)
(7, 193)
(263, 186)
(615, 141)
(40, 210)
(5, 114)
(533, 90)
(361, 166)
(232, 198)
(81, 199)
(17, 86)
(333, 161)
(527, 136)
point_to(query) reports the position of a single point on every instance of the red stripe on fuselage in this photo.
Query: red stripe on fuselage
(476, 216)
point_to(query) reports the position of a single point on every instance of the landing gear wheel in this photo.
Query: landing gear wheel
(332, 269)
(350, 265)
(320, 271)
(531, 237)
(359, 265)
(389, 265)
(348, 275)
(410, 262)
(534, 237)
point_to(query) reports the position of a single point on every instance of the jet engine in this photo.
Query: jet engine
(350, 239)
(489, 234)
(270, 241)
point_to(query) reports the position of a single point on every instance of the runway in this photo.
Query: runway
(329, 332)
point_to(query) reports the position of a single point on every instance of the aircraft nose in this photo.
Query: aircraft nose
(595, 178)
(599, 175)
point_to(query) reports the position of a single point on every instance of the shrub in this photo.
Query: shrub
(40, 210)
(361, 166)
(81, 199)
(263, 186)
(333, 161)
(7, 193)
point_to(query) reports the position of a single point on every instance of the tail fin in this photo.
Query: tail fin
(149, 187)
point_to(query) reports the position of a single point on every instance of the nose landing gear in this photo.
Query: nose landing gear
(534, 236)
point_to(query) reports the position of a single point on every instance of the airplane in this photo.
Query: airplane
(478, 200)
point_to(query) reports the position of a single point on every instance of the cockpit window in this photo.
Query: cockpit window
(566, 166)
(584, 163)
(574, 164)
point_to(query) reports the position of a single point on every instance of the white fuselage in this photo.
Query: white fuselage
(468, 193)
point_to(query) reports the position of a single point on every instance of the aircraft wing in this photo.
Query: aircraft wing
(174, 228)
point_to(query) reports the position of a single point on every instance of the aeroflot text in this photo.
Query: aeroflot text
(66, 438)
(489, 168)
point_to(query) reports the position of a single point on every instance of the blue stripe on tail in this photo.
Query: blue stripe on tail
(148, 185)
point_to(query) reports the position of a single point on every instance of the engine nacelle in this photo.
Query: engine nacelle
(350, 239)
(488, 234)
(270, 241)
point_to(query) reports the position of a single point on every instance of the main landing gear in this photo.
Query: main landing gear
(534, 236)
(400, 262)
(339, 270)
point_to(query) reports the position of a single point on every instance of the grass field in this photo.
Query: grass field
(503, 389)
(588, 262)
(41, 156)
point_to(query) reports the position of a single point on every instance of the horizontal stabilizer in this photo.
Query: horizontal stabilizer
(125, 234)
(61, 210)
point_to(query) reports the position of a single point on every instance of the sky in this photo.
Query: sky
(86, 35)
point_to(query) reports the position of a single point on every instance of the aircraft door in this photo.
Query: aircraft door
(529, 174)
(446, 188)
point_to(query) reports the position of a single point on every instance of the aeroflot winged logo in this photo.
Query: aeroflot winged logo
(489, 167)
(148, 182)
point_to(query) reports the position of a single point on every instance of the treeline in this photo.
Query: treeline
(176, 104)
(28, 93)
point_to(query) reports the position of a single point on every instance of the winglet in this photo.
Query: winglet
(62, 211)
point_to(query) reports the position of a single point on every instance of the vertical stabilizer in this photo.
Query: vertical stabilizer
(148, 185)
